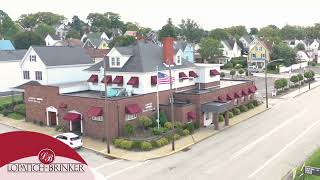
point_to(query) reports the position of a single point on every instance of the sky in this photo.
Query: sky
(209, 14)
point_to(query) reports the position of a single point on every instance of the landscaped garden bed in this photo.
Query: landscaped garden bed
(12, 108)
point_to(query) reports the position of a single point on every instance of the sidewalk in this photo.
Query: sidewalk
(100, 147)
(301, 90)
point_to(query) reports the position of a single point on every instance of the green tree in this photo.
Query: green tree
(73, 33)
(168, 30)
(280, 83)
(24, 40)
(254, 31)
(237, 31)
(132, 27)
(162, 118)
(283, 51)
(7, 28)
(300, 77)
(144, 31)
(99, 22)
(115, 20)
(129, 129)
(270, 33)
(43, 30)
(222, 75)
(240, 71)
(294, 79)
(300, 47)
(77, 24)
(313, 32)
(292, 32)
(31, 20)
(219, 34)
(210, 49)
(122, 41)
(232, 73)
(191, 31)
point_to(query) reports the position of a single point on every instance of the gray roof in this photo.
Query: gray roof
(145, 57)
(96, 35)
(180, 45)
(247, 38)
(60, 55)
(14, 55)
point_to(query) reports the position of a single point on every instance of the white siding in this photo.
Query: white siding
(10, 75)
(67, 74)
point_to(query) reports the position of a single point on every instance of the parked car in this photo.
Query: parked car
(253, 69)
(71, 139)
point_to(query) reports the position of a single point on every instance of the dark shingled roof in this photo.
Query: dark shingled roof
(14, 55)
(60, 56)
(180, 45)
(145, 57)
(30, 83)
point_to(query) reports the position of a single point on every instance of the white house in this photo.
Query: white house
(246, 40)
(62, 30)
(10, 73)
(55, 65)
(231, 49)
(304, 56)
(51, 40)
(314, 45)
(96, 35)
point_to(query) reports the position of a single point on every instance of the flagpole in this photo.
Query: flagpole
(158, 108)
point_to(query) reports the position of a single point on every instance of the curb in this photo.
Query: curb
(311, 88)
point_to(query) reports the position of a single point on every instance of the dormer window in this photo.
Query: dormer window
(33, 58)
(115, 62)
(178, 60)
(118, 61)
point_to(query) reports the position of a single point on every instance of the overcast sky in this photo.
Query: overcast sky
(209, 14)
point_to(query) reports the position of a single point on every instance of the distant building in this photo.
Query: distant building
(6, 45)
(187, 49)
(51, 40)
(259, 53)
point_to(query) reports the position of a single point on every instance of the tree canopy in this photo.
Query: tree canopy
(210, 49)
(219, 34)
(43, 30)
(168, 30)
(191, 31)
(283, 51)
(31, 20)
(7, 28)
(122, 41)
(24, 40)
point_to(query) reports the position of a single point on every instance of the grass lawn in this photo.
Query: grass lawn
(16, 116)
(8, 99)
(314, 161)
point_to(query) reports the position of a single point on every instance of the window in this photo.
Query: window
(62, 137)
(97, 118)
(26, 75)
(118, 61)
(253, 55)
(263, 55)
(178, 60)
(113, 62)
(38, 75)
(33, 58)
(257, 48)
(131, 116)
(207, 116)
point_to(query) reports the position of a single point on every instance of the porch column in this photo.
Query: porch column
(81, 124)
(216, 121)
(226, 118)
(70, 125)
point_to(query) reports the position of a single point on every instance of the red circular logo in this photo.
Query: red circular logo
(46, 156)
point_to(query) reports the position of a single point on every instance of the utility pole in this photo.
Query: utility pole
(106, 126)
(266, 82)
(171, 103)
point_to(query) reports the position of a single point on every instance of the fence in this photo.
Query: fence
(284, 69)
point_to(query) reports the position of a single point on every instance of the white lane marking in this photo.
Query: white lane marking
(283, 149)
(107, 164)
(125, 169)
(251, 145)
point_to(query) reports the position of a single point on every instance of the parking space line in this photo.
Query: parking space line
(107, 164)
(126, 169)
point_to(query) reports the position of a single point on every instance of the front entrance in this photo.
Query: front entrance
(52, 118)
(207, 121)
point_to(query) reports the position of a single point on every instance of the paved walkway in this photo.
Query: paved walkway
(100, 147)
(301, 90)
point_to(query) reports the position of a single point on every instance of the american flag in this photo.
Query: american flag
(164, 79)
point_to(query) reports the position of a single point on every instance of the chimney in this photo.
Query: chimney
(168, 52)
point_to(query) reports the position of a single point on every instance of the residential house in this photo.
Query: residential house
(69, 42)
(53, 65)
(97, 55)
(246, 40)
(51, 40)
(303, 55)
(259, 53)
(230, 50)
(95, 35)
(10, 73)
(6, 45)
(187, 49)
(131, 33)
(96, 40)
(130, 77)
(62, 29)
(314, 45)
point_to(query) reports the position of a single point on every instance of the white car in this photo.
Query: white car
(71, 139)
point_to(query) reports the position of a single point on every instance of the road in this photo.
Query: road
(265, 147)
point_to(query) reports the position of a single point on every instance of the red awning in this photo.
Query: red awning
(192, 115)
(108, 79)
(252, 89)
(182, 75)
(154, 80)
(134, 81)
(193, 74)
(93, 78)
(95, 111)
(237, 95)
(133, 109)
(118, 80)
(72, 117)
(244, 92)
(229, 97)
(214, 72)
(220, 99)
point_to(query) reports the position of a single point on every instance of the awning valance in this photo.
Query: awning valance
(182, 75)
(193, 74)
(72, 117)
(118, 80)
(237, 95)
(214, 72)
(95, 111)
(221, 99)
(133, 109)
(108, 78)
(134, 81)
(252, 89)
(93, 78)
(216, 107)
(191, 115)
(244, 93)
(154, 80)
(229, 97)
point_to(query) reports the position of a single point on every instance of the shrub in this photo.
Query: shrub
(176, 136)
(280, 83)
(294, 79)
(230, 114)
(20, 108)
(168, 125)
(159, 131)
(128, 128)
(145, 121)
(186, 132)
(190, 127)
(126, 144)
(161, 142)
(136, 144)
(146, 146)
(238, 66)
(240, 71)
(154, 144)
(1, 108)
(236, 111)
(250, 106)
(6, 112)
(255, 102)
(162, 118)
(117, 142)
(178, 125)
(243, 108)
(179, 131)
(60, 128)
(222, 75)
(221, 118)
(40, 123)
(34, 122)
(229, 65)
(196, 125)
(232, 73)
(300, 77)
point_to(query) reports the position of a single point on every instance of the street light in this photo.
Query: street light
(265, 77)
